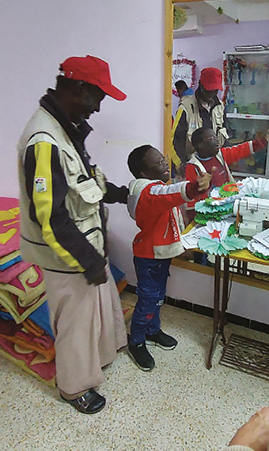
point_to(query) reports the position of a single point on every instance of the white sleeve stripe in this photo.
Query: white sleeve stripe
(251, 147)
(175, 188)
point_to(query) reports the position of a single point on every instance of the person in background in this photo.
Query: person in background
(63, 228)
(202, 109)
(209, 157)
(253, 435)
(155, 208)
(182, 89)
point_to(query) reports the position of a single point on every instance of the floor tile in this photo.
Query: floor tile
(179, 406)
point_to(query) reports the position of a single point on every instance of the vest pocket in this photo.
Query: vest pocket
(95, 237)
(86, 197)
(217, 115)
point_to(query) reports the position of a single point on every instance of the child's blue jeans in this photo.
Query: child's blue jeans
(152, 276)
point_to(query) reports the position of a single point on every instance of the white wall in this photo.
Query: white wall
(37, 35)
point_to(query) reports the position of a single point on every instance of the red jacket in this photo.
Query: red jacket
(225, 157)
(154, 207)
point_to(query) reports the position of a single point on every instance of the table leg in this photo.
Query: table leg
(225, 289)
(216, 311)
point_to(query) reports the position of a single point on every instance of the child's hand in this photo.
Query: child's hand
(204, 179)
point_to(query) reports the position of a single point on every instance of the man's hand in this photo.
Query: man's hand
(204, 179)
(100, 278)
(254, 433)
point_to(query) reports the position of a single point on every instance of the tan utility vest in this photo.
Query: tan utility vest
(190, 106)
(81, 201)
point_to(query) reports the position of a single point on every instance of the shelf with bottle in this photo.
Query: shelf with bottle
(246, 69)
(246, 100)
(247, 104)
(246, 79)
(236, 115)
(246, 85)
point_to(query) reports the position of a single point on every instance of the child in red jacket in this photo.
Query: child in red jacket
(210, 158)
(155, 208)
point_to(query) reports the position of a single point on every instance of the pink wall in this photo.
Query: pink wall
(37, 35)
(207, 49)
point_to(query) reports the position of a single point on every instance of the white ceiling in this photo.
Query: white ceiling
(244, 10)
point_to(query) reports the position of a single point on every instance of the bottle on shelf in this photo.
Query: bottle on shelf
(231, 107)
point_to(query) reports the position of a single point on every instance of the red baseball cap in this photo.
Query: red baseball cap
(211, 78)
(91, 70)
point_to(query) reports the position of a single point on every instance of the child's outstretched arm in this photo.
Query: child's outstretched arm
(236, 153)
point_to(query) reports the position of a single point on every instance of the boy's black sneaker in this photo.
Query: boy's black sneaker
(141, 357)
(162, 340)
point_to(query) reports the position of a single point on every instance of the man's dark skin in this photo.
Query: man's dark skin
(202, 95)
(79, 102)
(206, 96)
(209, 97)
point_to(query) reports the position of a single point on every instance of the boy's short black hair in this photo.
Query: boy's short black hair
(181, 84)
(136, 160)
(197, 137)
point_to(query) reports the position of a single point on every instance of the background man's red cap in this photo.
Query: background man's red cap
(91, 70)
(211, 78)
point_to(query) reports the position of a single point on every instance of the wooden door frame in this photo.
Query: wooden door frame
(168, 59)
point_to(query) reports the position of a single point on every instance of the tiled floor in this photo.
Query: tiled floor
(179, 406)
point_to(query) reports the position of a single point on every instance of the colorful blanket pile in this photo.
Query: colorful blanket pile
(25, 334)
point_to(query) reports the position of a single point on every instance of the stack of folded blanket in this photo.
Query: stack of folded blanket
(25, 334)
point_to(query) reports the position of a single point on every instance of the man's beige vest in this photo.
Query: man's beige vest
(190, 106)
(82, 199)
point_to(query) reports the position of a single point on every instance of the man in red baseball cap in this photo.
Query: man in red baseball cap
(91, 70)
(202, 109)
(63, 228)
(211, 79)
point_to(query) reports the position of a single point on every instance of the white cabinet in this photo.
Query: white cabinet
(246, 96)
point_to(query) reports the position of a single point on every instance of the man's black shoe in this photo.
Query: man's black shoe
(162, 340)
(141, 357)
(90, 402)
